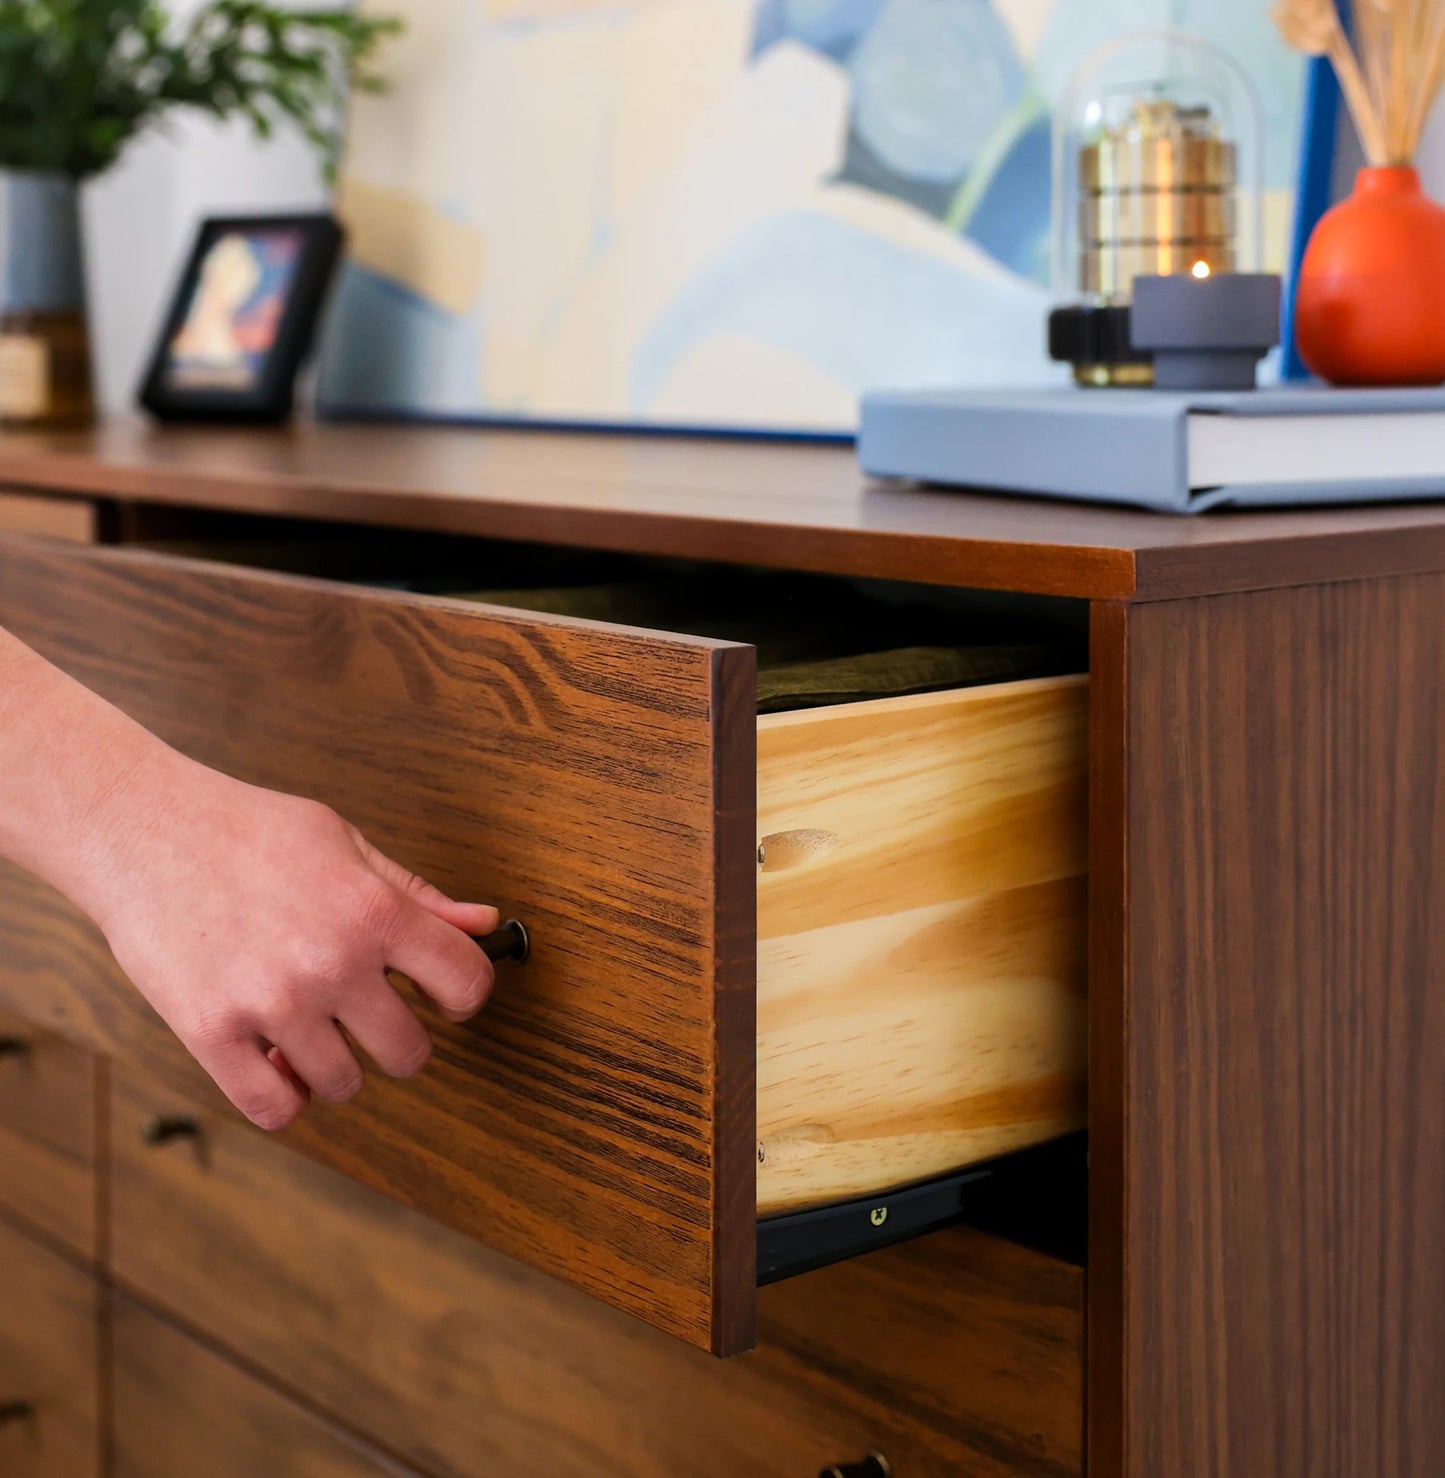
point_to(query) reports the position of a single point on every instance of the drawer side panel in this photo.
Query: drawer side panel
(921, 936)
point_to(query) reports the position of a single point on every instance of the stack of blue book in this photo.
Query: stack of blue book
(1180, 452)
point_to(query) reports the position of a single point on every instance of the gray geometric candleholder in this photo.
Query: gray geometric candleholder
(1205, 333)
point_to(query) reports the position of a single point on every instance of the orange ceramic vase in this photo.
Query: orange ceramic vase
(1370, 302)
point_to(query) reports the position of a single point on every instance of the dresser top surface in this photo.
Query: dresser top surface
(788, 505)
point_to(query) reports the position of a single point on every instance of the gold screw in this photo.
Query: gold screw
(878, 1215)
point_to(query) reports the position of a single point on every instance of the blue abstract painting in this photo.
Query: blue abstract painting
(731, 214)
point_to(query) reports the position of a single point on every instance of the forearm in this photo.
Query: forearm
(71, 767)
(170, 858)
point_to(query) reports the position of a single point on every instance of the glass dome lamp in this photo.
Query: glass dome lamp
(1157, 156)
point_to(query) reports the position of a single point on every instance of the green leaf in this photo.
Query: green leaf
(80, 78)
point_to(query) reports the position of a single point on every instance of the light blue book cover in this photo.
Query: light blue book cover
(1129, 446)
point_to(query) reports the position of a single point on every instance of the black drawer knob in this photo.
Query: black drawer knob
(875, 1465)
(15, 1411)
(162, 1128)
(511, 942)
(13, 1046)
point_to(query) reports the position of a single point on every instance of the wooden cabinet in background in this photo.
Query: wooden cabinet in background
(181, 1411)
(956, 1354)
(49, 1131)
(50, 1378)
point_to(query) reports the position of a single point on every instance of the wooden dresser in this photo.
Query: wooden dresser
(776, 965)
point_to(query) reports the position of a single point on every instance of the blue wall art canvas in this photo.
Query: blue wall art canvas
(723, 214)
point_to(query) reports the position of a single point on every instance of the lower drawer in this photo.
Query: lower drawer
(48, 1133)
(181, 1411)
(955, 1354)
(49, 1364)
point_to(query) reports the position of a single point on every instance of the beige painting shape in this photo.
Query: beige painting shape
(402, 237)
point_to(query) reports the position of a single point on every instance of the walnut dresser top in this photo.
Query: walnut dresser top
(790, 505)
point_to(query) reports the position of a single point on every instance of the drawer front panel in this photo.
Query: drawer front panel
(597, 1119)
(48, 1131)
(958, 1353)
(49, 1363)
(181, 1410)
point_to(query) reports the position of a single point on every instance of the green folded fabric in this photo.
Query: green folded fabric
(896, 673)
(813, 650)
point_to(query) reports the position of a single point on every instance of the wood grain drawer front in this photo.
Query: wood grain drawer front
(182, 1411)
(49, 1363)
(48, 1132)
(598, 1119)
(954, 1354)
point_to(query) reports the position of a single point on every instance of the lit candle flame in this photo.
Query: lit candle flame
(1200, 269)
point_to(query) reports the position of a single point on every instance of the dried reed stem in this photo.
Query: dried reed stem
(1390, 77)
(1368, 21)
(1397, 75)
(1433, 72)
(1357, 95)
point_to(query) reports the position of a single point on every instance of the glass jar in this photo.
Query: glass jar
(1157, 158)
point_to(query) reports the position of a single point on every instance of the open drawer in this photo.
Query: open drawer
(774, 961)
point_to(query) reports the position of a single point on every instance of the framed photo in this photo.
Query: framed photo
(242, 319)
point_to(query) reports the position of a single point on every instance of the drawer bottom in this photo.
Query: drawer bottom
(1038, 1197)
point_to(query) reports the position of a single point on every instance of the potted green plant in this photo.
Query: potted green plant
(79, 79)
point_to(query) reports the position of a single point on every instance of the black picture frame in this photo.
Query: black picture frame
(269, 395)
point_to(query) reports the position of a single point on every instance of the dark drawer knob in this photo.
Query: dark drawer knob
(511, 942)
(163, 1128)
(875, 1465)
(15, 1411)
(13, 1046)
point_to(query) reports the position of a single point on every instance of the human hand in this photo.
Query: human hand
(259, 925)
